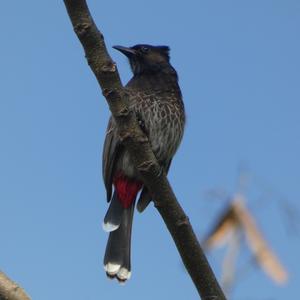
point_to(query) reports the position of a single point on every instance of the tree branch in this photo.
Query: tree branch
(9, 290)
(138, 146)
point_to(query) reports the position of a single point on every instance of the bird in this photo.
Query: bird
(156, 99)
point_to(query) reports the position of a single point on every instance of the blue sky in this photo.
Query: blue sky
(239, 69)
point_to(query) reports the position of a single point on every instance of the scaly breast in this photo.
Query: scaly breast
(163, 117)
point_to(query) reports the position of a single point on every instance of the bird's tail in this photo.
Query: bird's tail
(118, 221)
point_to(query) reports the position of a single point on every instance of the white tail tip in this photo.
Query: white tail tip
(115, 270)
(112, 269)
(124, 274)
(109, 227)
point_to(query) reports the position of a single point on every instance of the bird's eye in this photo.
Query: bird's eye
(145, 49)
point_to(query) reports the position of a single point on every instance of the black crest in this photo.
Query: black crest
(145, 58)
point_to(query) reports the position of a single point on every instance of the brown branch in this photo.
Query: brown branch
(9, 290)
(136, 142)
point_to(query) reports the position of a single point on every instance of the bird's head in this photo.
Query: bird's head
(146, 58)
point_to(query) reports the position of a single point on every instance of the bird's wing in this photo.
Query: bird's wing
(110, 149)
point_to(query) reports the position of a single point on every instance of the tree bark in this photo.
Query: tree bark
(9, 290)
(137, 143)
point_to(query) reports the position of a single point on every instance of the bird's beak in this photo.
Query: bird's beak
(125, 50)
